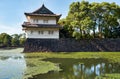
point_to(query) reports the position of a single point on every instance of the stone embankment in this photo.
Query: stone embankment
(72, 45)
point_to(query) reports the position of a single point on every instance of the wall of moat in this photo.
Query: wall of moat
(72, 45)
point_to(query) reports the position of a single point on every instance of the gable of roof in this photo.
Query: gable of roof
(42, 10)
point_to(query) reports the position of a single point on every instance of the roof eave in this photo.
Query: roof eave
(45, 15)
(34, 26)
(40, 27)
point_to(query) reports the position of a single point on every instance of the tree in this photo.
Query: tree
(95, 9)
(110, 20)
(86, 19)
(18, 39)
(15, 40)
(116, 32)
(66, 31)
(22, 41)
(79, 19)
(5, 39)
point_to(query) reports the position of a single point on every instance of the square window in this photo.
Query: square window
(50, 32)
(35, 20)
(40, 32)
(45, 21)
(31, 32)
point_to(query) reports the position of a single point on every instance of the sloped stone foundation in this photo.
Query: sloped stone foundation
(72, 45)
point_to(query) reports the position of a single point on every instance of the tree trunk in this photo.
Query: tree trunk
(100, 31)
(94, 32)
(81, 33)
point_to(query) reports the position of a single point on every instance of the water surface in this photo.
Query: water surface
(80, 69)
(12, 64)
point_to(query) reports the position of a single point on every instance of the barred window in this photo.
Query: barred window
(31, 32)
(50, 32)
(45, 21)
(41, 32)
(35, 20)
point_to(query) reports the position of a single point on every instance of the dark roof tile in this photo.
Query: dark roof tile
(43, 10)
(27, 24)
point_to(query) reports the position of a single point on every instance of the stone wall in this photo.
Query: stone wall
(71, 45)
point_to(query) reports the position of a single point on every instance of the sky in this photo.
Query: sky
(12, 11)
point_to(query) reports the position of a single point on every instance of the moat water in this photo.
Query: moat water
(80, 69)
(13, 65)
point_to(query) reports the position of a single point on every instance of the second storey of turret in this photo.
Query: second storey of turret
(41, 20)
(42, 16)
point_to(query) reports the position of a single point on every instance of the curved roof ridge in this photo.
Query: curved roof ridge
(42, 10)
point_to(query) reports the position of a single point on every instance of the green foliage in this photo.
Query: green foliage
(22, 41)
(111, 56)
(116, 33)
(5, 39)
(14, 40)
(109, 76)
(88, 20)
(66, 31)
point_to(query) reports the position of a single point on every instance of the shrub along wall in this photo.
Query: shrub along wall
(71, 45)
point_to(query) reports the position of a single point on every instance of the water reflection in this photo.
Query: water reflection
(80, 69)
(12, 65)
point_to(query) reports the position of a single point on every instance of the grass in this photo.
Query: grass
(109, 76)
(111, 56)
(35, 65)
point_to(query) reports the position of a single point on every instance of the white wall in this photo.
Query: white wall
(45, 35)
(40, 21)
(51, 20)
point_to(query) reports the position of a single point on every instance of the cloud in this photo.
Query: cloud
(12, 29)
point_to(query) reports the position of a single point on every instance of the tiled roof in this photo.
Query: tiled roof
(45, 15)
(27, 24)
(43, 10)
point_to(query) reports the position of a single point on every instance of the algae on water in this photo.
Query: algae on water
(36, 66)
